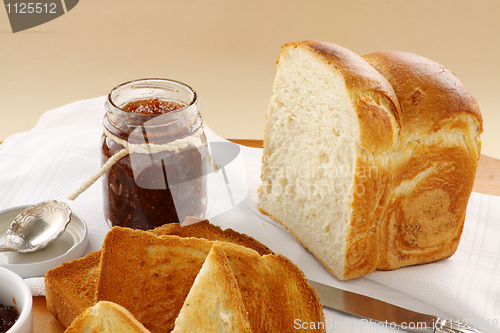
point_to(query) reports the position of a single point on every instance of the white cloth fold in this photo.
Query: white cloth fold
(54, 158)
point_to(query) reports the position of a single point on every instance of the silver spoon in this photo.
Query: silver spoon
(37, 226)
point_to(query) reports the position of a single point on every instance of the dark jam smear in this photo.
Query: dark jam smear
(152, 106)
(8, 317)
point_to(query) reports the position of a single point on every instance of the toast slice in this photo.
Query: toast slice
(205, 229)
(70, 288)
(106, 317)
(275, 292)
(148, 275)
(151, 277)
(214, 303)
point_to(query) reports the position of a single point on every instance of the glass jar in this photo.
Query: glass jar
(160, 178)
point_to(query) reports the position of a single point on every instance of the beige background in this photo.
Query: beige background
(227, 50)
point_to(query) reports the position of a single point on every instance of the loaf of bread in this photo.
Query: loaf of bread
(106, 317)
(368, 166)
(214, 303)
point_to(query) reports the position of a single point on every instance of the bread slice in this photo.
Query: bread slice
(151, 277)
(214, 303)
(332, 123)
(205, 229)
(106, 317)
(274, 290)
(70, 288)
(434, 169)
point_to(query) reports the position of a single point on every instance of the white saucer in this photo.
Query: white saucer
(69, 246)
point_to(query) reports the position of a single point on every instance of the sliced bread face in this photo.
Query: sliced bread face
(332, 122)
(214, 303)
(106, 317)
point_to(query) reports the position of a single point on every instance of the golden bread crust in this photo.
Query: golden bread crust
(204, 229)
(433, 169)
(429, 93)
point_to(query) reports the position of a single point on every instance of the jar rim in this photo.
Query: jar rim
(193, 101)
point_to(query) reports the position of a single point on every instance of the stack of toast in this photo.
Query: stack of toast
(197, 277)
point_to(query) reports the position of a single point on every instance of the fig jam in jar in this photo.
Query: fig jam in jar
(155, 124)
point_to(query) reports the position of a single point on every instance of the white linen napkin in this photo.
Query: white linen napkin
(63, 150)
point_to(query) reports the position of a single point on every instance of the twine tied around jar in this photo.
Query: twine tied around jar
(145, 148)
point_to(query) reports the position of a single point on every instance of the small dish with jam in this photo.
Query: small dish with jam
(16, 304)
